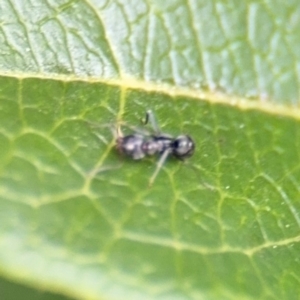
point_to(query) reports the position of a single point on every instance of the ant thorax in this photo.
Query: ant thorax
(157, 144)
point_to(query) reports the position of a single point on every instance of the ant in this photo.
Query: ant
(138, 145)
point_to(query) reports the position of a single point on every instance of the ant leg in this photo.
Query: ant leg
(159, 165)
(112, 129)
(118, 133)
(151, 118)
(146, 118)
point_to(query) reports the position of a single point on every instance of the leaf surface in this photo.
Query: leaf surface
(79, 219)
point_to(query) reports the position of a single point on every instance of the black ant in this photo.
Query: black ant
(138, 145)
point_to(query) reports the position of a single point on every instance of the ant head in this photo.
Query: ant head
(183, 146)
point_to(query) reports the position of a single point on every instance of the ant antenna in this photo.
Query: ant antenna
(151, 118)
(159, 166)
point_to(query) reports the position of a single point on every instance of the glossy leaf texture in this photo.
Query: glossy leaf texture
(77, 218)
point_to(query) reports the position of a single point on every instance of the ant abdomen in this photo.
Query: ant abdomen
(131, 145)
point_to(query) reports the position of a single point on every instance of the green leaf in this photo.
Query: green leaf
(78, 219)
(12, 291)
